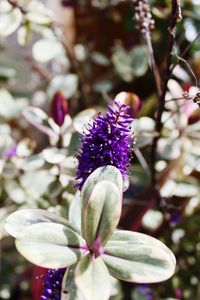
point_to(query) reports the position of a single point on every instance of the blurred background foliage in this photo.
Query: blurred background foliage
(89, 51)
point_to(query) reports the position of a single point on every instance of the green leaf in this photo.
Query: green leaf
(7, 73)
(54, 155)
(68, 84)
(109, 173)
(101, 212)
(139, 61)
(38, 119)
(10, 18)
(38, 18)
(187, 189)
(38, 13)
(75, 211)
(14, 190)
(69, 289)
(50, 245)
(92, 278)
(24, 34)
(45, 50)
(137, 257)
(10, 108)
(4, 212)
(21, 219)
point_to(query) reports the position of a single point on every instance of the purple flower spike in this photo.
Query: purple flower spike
(59, 108)
(53, 284)
(108, 141)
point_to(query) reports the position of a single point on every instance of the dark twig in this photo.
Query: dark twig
(185, 52)
(179, 99)
(154, 67)
(142, 161)
(175, 18)
(15, 4)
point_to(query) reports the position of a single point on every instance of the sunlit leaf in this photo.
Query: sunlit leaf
(38, 13)
(50, 245)
(21, 219)
(68, 84)
(10, 108)
(75, 211)
(38, 119)
(15, 191)
(35, 183)
(10, 18)
(137, 257)
(24, 34)
(54, 155)
(45, 50)
(109, 173)
(101, 212)
(91, 277)
(186, 189)
(69, 288)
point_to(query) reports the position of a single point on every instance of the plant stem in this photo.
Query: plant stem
(16, 5)
(175, 18)
(153, 65)
(185, 51)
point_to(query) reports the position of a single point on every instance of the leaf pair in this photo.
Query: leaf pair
(100, 250)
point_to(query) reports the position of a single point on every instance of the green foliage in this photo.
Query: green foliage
(128, 256)
(92, 278)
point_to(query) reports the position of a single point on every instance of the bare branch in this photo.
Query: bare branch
(175, 18)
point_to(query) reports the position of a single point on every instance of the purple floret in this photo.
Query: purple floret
(108, 141)
(146, 291)
(53, 285)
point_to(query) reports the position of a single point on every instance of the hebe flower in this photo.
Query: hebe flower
(59, 108)
(52, 285)
(108, 141)
(146, 291)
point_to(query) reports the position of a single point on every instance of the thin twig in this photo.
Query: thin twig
(185, 52)
(175, 18)
(178, 99)
(16, 5)
(180, 59)
(153, 65)
(142, 161)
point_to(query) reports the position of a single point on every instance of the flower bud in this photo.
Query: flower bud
(59, 108)
(130, 99)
